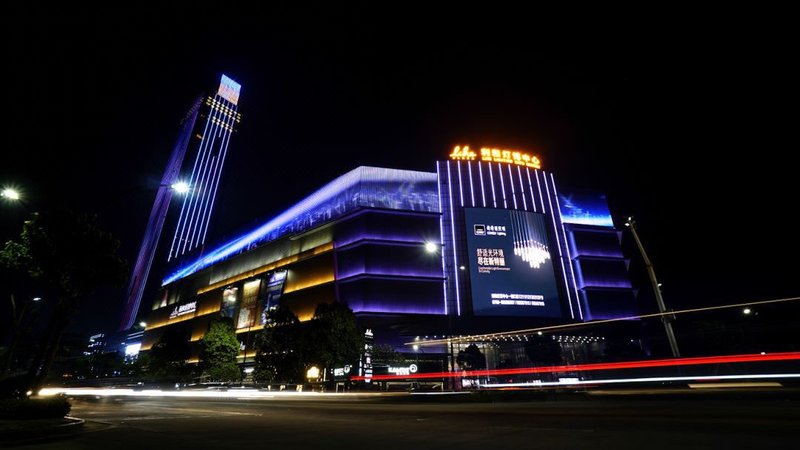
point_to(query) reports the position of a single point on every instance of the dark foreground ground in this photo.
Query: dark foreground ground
(568, 422)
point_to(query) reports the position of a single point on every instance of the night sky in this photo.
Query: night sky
(676, 116)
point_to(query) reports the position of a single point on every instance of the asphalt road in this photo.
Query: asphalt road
(341, 423)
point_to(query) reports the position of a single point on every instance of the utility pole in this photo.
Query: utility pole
(665, 319)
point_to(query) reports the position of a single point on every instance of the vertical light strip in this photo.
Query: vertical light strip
(522, 189)
(441, 234)
(201, 209)
(539, 188)
(189, 195)
(566, 246)
(210, 163)
(460, 184)
(558, 242)
(453, 231)
(198, 189)
(205, 215)
(502, 184)
(483, 191)
(511, 182)
(224, 154)
(491, 182)
(530, 186)
(471, 188)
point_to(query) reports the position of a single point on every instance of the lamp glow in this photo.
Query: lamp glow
(181, 187)
(11, 194)
(430, 247)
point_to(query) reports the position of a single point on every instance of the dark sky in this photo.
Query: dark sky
(679, 116)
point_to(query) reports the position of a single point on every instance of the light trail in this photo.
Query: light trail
(676, 362)
(568, 382)
(499, 335)
(232, 393)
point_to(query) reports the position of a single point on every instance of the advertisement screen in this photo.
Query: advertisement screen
(585, 209)
(510, 264)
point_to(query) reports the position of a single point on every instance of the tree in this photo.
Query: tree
(471, 358)
(69, 254)
(337, 339)
(220, 349)
(279, 348)
(167, 359)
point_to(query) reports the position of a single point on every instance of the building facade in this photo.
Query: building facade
(486, 243)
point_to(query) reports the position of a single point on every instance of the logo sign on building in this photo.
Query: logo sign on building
(182, 310)
(497, 155)
(403, 370)
(511, 269)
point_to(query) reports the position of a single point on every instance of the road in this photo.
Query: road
(339, 423)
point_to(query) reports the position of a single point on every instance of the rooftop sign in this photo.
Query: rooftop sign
(488, 154)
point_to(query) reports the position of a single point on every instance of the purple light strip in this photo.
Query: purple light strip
(441, 233)
(471, 188)
(187, 198)
(558, 243)
(522, 189)
(460, 184)
(453, 230)
(491, 182)
(530, 186)
(511, 182)
(483, 192)
(569, 256)
(502, 185)
(227, 141)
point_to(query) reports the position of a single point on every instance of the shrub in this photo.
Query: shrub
(34, 408)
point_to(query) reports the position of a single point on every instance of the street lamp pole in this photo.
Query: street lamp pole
(666, 320)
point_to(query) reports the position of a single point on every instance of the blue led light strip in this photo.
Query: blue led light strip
(203, 186)
(566, 246)
(453, 230)
(216, 186)
(471, 188)
(187, 198)
(483, 192)
(491, 183)
(522, 189)
(511, 182)
(558, 243)
(530, 186)
(502, 184)
(441, 234)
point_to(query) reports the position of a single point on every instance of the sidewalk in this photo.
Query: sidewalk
(23, 431)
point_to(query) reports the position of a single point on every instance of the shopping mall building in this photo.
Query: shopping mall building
(487, 242)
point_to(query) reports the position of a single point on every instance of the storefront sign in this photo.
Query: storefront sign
(183, 310)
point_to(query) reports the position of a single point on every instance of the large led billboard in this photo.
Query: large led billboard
(585, 209)
(510, 264)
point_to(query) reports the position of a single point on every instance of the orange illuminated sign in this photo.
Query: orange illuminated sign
(497, 155)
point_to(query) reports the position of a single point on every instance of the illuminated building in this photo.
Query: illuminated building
(208, 139)
(476, 246)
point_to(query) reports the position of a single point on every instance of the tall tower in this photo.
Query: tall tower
(210, 138)
(197, 208)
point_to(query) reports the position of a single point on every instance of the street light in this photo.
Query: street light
(11, 194)
(143, 324)
(747, 311)
(431, 247)
(181, 187)
(667, 321)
